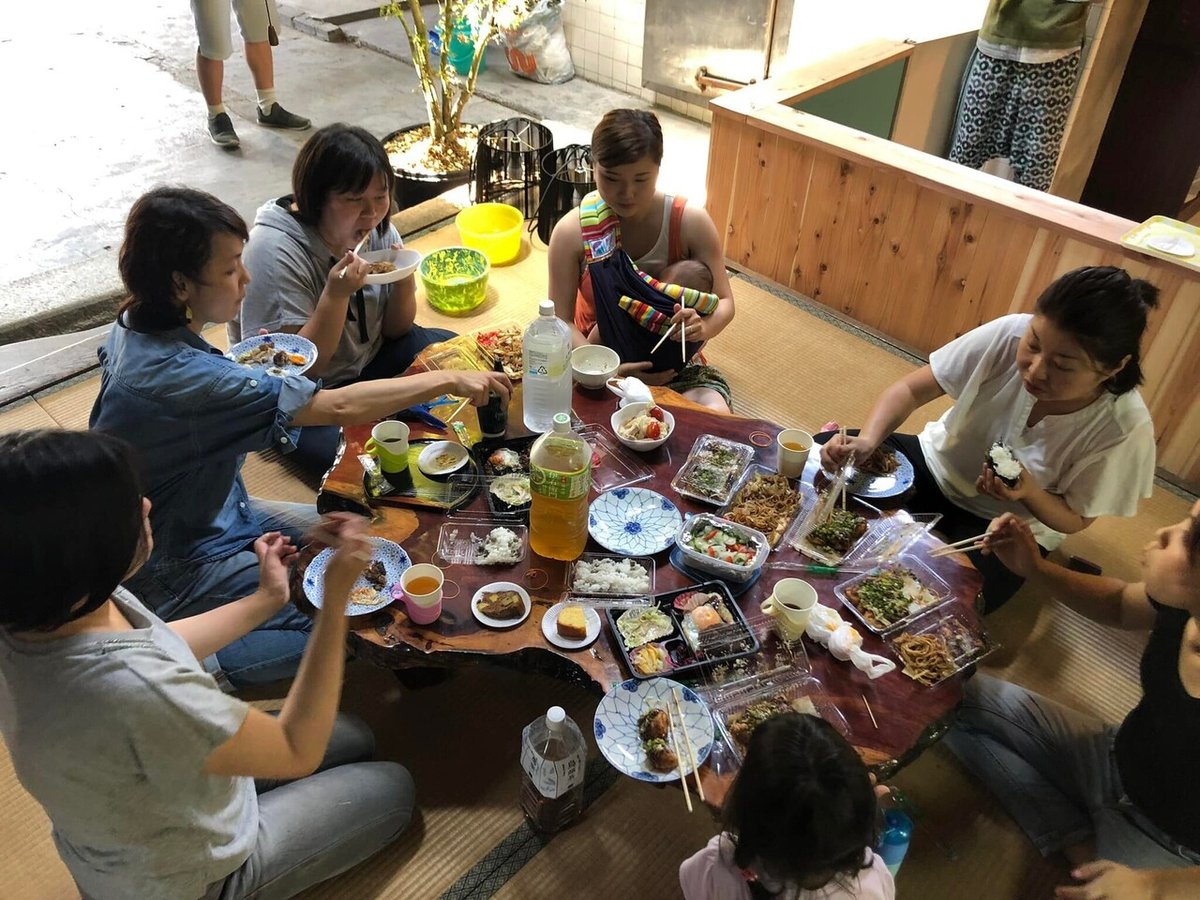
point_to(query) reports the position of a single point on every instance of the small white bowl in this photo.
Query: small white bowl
(405, 261)
(427, 461)
(593, 364)
(632, 411)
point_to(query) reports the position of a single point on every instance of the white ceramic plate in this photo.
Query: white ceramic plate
(633, 521)
(405, 261)
(289, 343)
(615, 726)
(394, 560)
(500, 586)
(550, 628)
(427, 461)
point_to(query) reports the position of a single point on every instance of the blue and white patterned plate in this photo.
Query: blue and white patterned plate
(290, 343)
(394, 560)
(633, 521)
(616, 730)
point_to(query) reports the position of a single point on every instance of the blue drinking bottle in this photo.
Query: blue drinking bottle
(893, 842)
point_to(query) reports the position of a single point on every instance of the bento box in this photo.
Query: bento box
(683, 631)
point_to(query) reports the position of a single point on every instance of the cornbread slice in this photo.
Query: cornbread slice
(572, 623)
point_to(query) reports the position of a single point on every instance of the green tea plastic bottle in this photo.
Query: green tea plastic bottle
(560, 476)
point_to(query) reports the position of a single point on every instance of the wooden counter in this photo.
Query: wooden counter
(921, 249)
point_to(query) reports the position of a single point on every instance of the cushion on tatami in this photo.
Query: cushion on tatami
(461, 738)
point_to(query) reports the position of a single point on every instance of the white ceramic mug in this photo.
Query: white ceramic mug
(790, 605)
(792, 460)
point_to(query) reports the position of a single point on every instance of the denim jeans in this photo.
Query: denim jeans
(1054, 771)
(271, 651)
(318, 444)
(317, 827)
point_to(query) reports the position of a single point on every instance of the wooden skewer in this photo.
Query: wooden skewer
(687, 740)
(687, 794)
(869, 713)
(666, 334)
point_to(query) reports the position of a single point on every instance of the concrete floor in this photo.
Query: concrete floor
(103, 104)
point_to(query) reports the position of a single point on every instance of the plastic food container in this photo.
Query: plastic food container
(932, 582)
(720, 568)
(967, 641)
(793, 691)
(461, 543)
(785, 523)
(494, 229)
(455, 279)
(712, 469)
(646, 562)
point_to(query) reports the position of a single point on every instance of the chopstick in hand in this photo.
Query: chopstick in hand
(687, 740)
(682, 342)
(687, 794)
(969, 548)
(357, 249)
(666, 334)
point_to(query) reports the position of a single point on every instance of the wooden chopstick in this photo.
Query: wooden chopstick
(682, 342)
(687, 794)
(687, 740)
(950, 551)
(666, 334)
(869, 713)
(969, 540)
(357, 247)
(845, 468)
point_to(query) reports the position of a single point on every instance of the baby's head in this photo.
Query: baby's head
(688, 273)
(802, 809)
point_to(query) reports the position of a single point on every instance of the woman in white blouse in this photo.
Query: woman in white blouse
(1059, 387)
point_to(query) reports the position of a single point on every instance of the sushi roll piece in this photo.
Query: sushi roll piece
(1004, 463)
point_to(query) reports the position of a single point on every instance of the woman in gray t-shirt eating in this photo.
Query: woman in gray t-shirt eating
(154, 780)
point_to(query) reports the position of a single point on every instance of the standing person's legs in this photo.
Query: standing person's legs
(214, 45)
(1045, 92)
(255, 18)
(981, 129)
(315, 828)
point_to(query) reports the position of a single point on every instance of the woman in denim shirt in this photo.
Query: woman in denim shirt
(193, 415)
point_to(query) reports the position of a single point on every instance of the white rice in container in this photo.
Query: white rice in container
(500, 546)
(608, 575)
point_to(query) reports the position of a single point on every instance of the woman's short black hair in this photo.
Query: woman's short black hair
(337, 159)
(71, 524)
(624, 136)
(802, 806)
(1105, 310)
(169, 230)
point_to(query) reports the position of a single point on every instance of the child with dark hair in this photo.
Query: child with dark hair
(799, 822)
(158, 784)
(1056, 387)
(628, 222)
(194, 414)
(307, 280)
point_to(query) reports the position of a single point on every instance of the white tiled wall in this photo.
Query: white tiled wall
(605, 37)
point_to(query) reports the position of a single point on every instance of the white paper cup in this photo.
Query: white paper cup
(793, 446)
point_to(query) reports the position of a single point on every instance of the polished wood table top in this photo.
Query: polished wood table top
(909, 716)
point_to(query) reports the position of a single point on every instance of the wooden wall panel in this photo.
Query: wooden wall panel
(904, 246)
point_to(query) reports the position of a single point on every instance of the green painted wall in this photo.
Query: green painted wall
(867, 103)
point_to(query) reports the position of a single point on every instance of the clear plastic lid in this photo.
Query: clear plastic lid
(466, 543)
(779, 507)
(885, 538)
(612, 465)
(694, 527)
(959, 639)
(506, 498)
(587, 575)
(712, 469)
(926, 587)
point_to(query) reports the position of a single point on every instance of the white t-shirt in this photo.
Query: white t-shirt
(1099, 459)
(710, 874)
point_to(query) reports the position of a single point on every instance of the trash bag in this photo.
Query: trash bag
(537, 48)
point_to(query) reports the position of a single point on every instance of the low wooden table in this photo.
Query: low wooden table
(909, 716)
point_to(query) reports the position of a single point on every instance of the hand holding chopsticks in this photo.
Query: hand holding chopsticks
(357, 249)
(666, 334)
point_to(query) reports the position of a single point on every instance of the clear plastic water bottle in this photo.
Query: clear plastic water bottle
(894, 839)
(547, 358)
(553, 756)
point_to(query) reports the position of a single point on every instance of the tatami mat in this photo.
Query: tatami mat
(461, 738)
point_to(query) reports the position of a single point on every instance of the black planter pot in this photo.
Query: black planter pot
(413, 188)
